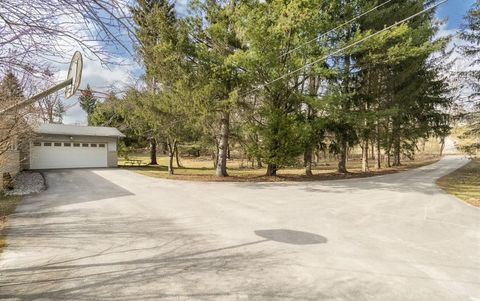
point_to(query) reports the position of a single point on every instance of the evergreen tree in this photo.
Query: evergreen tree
(108, 112)
(218, 75)
(269, 30)
(470, 32)
(10, 88)
(155, 21)
(401, 84)
(164, 48)
(236, 70)
(88, 102)
(13, 125)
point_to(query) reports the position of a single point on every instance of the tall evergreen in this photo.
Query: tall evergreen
(219, 78)
(154, 20)
(88, 102)
(270, 30)
(236, 71)
(470, 32)
(400, 94)
(10, 88)
(166, 52)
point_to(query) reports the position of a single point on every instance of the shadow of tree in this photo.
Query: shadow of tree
(179, 265)
(419, 180)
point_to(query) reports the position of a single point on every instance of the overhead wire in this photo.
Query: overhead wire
(338, 51)
(336, 28)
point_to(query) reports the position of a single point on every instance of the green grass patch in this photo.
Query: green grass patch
(7, 207)
(464, 183)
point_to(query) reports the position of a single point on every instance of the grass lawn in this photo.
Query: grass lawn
(7, 207)
(201, 169)
(464, 183)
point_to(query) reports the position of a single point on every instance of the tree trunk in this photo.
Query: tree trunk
(317, 156)
(176, 155)
(307, 157)
(215, 155)
(342, 163)
(396, 143)
(221, 170)
(271, 170)
(165, 148)
(396, 153)
(372, 150)
(171, 154)
(153, 151)
(442, 146)
(365, 156)
(387, 154)
(259, 163)
(378, 159)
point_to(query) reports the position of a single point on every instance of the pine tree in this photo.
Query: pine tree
(12, 125)
(10, 89)
(470, 32)
(219, 77)
(88, 102)
(269, 30)
(400, 83)
(153, 18)
(164, 48)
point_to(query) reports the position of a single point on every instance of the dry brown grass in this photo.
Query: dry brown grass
(464, 183)
(201, 169)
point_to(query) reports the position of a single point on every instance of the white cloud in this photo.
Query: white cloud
(100, 78)
(121, 70)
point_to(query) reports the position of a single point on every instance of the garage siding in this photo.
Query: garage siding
(112, 158)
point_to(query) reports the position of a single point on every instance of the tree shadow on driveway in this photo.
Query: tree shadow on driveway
(134, 258)
(66, 187)
(415, 180)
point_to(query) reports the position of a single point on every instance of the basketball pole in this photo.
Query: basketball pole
(37, 97)
(71, 83)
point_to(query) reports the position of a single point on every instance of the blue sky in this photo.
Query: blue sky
(100, 78)
(455, 10)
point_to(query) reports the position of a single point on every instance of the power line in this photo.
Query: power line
(346, 47)
(336, 28)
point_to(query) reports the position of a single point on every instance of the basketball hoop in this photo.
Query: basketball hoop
(75, 74)
(71, 84)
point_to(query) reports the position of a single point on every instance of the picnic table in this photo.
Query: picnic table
(133, 162)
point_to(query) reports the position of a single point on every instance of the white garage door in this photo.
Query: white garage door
(48, 155)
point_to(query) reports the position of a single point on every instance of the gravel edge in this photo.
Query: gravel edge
(27, 183)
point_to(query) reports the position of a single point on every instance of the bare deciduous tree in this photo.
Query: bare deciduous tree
(40, 31)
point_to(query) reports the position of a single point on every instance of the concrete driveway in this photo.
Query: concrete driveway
(116, 235)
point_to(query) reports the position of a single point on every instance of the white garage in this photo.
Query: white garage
(46, 155)
(68, 146)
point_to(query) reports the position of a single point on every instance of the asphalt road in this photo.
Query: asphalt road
(116, 235)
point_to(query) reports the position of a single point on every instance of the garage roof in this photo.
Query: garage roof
(76, 130)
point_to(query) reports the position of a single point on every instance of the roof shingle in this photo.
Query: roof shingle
(76, 130)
